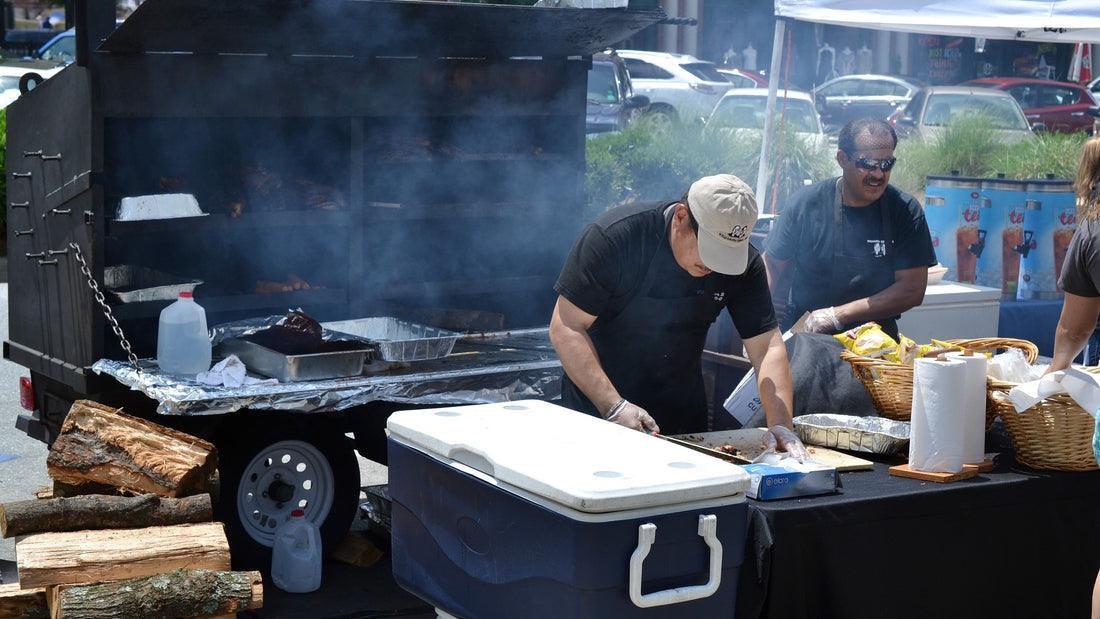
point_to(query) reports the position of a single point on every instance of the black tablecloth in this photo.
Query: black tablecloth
(1011, 543)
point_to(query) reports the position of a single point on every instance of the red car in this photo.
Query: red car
(1061, 106)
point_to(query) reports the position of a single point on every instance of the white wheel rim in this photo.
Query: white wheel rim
(284, 476)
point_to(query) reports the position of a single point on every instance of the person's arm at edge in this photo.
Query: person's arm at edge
(905, 293)
(1075, 325)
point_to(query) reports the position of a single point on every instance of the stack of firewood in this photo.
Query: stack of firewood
(126, 530)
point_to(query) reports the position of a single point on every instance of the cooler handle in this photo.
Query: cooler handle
(708, 524)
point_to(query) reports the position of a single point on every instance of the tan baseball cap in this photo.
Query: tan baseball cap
(725, 208)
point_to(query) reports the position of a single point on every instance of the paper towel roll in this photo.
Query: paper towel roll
(973, 406)
(936, 427)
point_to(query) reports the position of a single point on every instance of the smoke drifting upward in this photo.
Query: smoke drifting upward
(418, 183)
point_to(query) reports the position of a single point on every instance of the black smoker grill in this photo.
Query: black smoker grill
(405, 159)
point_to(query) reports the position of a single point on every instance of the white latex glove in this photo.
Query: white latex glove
(823, 321)
(634, 417)
(781, 438)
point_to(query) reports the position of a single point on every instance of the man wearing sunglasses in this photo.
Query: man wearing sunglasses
(852, 249)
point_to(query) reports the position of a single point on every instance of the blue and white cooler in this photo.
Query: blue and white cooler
(1049, 223)
(527, 509)
(952, 206)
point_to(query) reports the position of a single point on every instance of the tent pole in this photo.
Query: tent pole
(769, 116)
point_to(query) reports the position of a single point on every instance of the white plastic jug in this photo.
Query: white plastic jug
(296, 555)
(183, 344)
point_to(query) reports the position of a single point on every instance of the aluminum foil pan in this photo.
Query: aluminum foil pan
(398, 340)
(132, 284)
(877, 435)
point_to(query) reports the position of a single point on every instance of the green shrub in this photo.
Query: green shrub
(640, 164)
(971, 148)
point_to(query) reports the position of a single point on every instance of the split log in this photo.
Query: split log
(172, 595)
(22, 603)
(80, 557)
(103, 445)
(96, 511)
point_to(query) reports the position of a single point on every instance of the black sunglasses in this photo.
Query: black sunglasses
(882, 164)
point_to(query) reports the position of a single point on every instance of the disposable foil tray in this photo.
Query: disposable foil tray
(865, 434)
(133, 284)
(158, 206)
(398, 340)
(332, 360)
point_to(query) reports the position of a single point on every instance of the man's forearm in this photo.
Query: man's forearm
(891, 301)
(582, 364)
(773, 377)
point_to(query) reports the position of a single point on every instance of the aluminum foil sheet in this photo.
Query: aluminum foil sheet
(497, 367)
(877, 435)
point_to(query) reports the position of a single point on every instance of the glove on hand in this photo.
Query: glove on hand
(823, 321)
(634, 417)
(781, 438)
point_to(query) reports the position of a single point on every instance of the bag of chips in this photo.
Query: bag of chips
(868, 340)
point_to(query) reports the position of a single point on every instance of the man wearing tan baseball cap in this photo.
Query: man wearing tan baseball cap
(637, 295)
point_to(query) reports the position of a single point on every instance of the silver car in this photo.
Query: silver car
(932, 109)
(680, 88)
(842, 99)
(741, 111)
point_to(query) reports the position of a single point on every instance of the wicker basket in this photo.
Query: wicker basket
(890, 384)
(1054, 434)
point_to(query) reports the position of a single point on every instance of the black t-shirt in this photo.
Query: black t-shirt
(1081, 270)
(804, 233)
(609, 260)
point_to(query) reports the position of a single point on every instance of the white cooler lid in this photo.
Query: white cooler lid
(570, 458)
(954, 292)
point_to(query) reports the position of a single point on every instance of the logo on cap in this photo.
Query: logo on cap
(737, 234)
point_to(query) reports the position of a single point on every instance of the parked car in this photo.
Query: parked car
(1061, 106)
(744, 110)
(61, 48)
(24, 41)
(935, 107)
(679, 87)
(741, 78)
(612, 103)
(842, 99)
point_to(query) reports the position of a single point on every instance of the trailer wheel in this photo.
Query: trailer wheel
(290, 466)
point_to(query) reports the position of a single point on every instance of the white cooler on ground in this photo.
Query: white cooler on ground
(527, 509)
(952, 310)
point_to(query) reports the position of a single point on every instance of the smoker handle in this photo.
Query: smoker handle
(708, 523)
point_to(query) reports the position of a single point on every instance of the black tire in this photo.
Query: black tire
(272, 464)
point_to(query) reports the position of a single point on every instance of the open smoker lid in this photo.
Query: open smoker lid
(365, 28)
(564, 459)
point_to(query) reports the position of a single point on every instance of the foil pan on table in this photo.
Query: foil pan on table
(335, 356)
(398, 340)
(877, 435)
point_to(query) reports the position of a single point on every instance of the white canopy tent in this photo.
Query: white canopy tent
(1062, 21)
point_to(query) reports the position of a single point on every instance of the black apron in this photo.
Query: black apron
(851, 277)
(652, 351)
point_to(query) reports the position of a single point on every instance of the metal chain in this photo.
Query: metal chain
(103, 304)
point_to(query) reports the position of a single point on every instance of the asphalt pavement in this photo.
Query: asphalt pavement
(347, 592)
